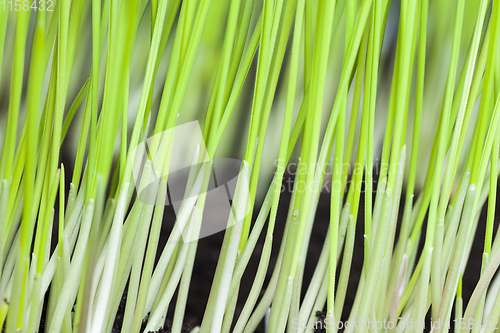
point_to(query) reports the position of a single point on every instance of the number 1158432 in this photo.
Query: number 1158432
(25, 5)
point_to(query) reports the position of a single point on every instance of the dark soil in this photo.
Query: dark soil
(208, 254)
(209, 248)
(321, 315)
(167, 326)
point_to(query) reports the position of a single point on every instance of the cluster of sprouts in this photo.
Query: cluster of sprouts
(112, 110)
